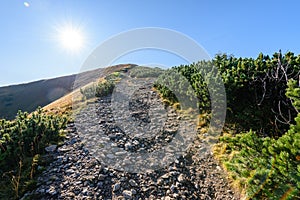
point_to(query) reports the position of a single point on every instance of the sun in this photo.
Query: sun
(71, 38)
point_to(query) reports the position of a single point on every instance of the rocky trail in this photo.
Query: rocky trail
(106, 153)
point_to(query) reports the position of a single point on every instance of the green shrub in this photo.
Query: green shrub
(255, 89)
(21, 143)
(103, 88)
(267, 168)
(145, 72)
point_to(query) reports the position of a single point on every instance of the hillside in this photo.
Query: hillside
(27, 97)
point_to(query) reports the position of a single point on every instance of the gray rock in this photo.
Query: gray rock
(127, 194)
(133, 191)
(100, 184)
(116, 187)
(180, 178)
(160, 181)
(84, 191)
(85, 183)
(173, 188)
(120, 153)
(51, 148)
(52, 190)
(78, 182)
(110, 156)
(165, 176)
(133, 183)
(41, 191)
(123, 179)
(63, 149)
(70, 171)
(128, 146)
(102, 177)
(176, 195)
(73, 141)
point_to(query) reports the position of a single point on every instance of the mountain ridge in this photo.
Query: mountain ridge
(28, 96)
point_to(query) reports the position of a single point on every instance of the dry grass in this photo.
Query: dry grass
(74, 100)
(219, 152)
(63, 104)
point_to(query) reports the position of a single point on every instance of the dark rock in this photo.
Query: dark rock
(116, 187)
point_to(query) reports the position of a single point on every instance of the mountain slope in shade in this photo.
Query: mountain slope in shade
(27, 97)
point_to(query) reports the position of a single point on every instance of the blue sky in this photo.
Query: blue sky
(30, 48)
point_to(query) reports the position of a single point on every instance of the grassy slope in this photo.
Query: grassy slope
(27, 97)
(83, 80)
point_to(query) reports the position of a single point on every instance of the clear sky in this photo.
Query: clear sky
(36, 43)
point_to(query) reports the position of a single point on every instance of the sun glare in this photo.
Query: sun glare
(71, 38)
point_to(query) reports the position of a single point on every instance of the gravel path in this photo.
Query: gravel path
(99, 158)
